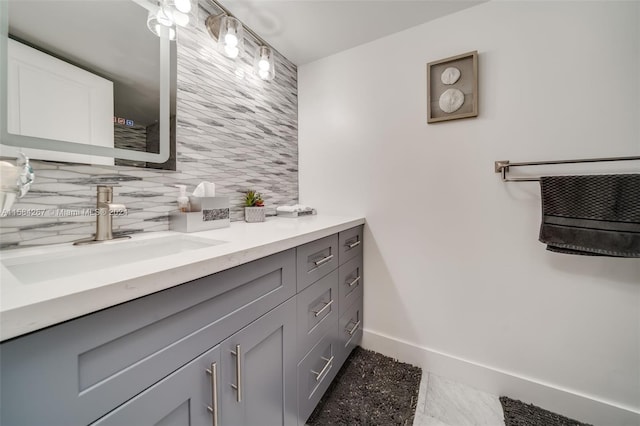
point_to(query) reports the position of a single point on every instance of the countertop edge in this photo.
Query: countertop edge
(57, 310)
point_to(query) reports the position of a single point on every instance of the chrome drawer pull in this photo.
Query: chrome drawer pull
(353, 330)
(326, 367)
(323, 261)
(326, 305)
(355, 281)
(238, 387)
(213, 408)
(353, 245)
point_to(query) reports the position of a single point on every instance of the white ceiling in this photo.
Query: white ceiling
(307, 30)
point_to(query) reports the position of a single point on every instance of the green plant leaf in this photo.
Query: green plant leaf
(252, 199)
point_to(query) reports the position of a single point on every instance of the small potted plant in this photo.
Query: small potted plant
(253, 207)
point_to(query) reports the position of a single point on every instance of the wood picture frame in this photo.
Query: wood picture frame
(452, 88)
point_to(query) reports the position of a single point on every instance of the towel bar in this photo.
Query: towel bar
(503, 166)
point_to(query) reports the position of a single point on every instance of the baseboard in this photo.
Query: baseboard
(569, 403)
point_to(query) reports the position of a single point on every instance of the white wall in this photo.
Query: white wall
(452, 262)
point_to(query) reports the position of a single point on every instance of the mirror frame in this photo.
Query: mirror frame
(22, 141)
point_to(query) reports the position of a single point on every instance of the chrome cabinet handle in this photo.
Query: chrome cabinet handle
(323, 260)
(238, 387)
(353, 330)
(352, 283)
(326, 305)
(213, 408)
(324, 369)
(356, 244)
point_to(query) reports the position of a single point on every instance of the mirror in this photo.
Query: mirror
(86, 82)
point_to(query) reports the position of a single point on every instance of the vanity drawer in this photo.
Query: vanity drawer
(351, 282)
(77, 371)
(350, 242)
(315, 373)
(316, 259)
(317, 311)
(349, 331)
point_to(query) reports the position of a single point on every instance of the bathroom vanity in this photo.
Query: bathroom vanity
(256, 343)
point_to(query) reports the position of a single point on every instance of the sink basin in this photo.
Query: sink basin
(42, 265)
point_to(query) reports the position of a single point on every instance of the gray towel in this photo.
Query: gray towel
(595, 215)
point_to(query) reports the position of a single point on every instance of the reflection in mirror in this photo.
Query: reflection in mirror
(87, 72)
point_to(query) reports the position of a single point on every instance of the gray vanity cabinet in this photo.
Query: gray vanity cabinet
(81, 370)
(253, 345)
(351, 281)
(256, 387)
(184, 398)
(258, 371)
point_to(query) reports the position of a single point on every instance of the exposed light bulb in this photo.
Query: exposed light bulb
(228, 33)
(231, 51)
(181, 19)
(230, 40)
(264, 65)
(175, 11)
(183, 6)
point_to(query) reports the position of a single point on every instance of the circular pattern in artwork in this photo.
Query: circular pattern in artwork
(450, 75)
(451, 100)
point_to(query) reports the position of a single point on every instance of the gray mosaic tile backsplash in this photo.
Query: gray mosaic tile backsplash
(233, 129)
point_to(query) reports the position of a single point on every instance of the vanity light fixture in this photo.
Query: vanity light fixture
(228, 32)
(168, 14)
(263, 63)
(178, 11)
(158, 21)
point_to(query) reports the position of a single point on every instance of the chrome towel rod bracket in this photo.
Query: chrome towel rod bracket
(502, 166)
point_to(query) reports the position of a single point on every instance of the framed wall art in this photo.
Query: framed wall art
(452, 88)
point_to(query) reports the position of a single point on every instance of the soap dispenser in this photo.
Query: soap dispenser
(183, 200)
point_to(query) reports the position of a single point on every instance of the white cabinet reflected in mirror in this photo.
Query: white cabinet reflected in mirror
(86, 82)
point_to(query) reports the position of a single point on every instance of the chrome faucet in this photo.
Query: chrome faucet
(105, 208)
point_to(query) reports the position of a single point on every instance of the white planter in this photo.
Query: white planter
(254, 214)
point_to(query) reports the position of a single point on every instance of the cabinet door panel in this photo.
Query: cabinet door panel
(350, 243)
(317, 311)
(351, 283)
(258, 384)
(316, 259)
(315, 373)
(180, 399)
(350, 330)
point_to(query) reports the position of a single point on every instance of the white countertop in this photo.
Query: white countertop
(26, 307)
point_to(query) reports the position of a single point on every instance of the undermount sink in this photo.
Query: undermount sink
(38, 265)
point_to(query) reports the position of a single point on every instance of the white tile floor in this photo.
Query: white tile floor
(443, 402)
